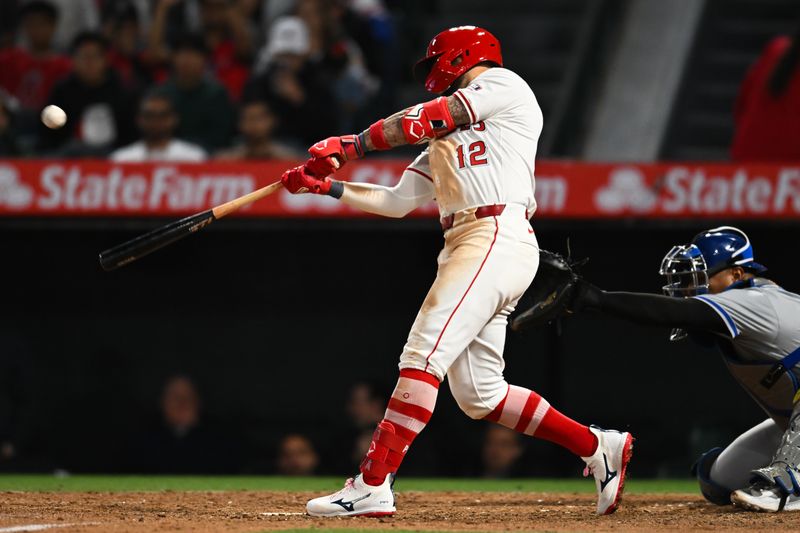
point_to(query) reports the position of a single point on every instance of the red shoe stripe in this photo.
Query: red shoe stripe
(471, 283)
(627, 454)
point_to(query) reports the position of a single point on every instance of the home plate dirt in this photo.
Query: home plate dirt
(432, 511)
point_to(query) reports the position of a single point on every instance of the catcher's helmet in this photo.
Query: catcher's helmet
(688, 267)
(453, 52)
(726, 247)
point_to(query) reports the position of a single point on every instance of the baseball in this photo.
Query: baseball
(53, 117)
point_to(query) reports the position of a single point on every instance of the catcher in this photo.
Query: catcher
(715, 291)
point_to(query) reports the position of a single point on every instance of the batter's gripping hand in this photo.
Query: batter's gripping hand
(551, 295)
(343, 149)
(301, 179)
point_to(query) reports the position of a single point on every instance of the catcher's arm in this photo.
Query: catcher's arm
(651, 309)
(558, 291)
(641, 308)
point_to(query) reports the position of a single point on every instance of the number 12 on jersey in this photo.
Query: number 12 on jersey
(474, 156)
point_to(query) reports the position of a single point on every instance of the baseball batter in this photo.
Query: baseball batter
(716, 293)
(481, 138)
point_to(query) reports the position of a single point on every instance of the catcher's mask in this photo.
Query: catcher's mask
(686, 271)
(687, 275)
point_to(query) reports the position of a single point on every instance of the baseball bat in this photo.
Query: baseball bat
(136, 248)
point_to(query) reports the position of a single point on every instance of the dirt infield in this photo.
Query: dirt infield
(442, 511)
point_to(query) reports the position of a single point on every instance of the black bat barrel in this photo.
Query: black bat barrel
(142, 245)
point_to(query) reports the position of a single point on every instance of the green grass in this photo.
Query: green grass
(105, 483)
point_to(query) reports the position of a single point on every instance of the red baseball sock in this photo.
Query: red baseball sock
(526, 412)
(409, 410)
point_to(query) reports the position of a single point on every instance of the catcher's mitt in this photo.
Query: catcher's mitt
(551, 293)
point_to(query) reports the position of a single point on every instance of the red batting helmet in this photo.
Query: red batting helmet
(453, 52)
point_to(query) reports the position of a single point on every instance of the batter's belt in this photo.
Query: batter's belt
(476, 213)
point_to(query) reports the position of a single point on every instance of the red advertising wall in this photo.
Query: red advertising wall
(566, 190)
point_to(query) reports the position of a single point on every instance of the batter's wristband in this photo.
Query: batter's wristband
(377, 136)
(337, 189)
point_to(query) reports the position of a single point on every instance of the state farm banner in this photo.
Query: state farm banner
(565, 190)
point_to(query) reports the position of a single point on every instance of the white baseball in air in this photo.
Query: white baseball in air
(53, 117)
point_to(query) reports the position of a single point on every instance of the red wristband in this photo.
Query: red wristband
(377, 137)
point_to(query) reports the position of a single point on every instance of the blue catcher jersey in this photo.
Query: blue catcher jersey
(762, 347)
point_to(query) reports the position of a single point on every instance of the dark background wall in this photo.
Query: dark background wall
(275, 320)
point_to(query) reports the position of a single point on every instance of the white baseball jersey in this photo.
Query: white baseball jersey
(490, 161)
(486, 263)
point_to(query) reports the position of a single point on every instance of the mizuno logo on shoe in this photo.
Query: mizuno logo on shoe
(348, 506)
(609, 475)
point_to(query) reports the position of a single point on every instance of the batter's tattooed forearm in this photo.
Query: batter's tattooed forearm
(458, 111)
(393, 128)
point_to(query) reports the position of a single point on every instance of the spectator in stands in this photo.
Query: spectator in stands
(370, 24)
(338, 56)
(294, 86)
(29, 72)
(158, 121)
(206, 115)
(225, 32)
(296, 456)
(366, 405)
(12, 388)
(76, 17)
(256, 126)
(127, 56)
(8, 141)
(254, 13)
(228, 37)
(111, 10)
(767, 112)
(8, 23)
(181, 443)
(502, 448)
(99, 109)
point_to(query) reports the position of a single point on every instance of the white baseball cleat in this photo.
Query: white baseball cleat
(765, 497)
(608, 465)
(356, 499)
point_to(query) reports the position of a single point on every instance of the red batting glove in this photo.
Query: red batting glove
(322, 167)
(299, 180)
(345, 148)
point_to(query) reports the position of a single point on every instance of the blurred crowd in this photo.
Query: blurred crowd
(182, 438)
(190, 80)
